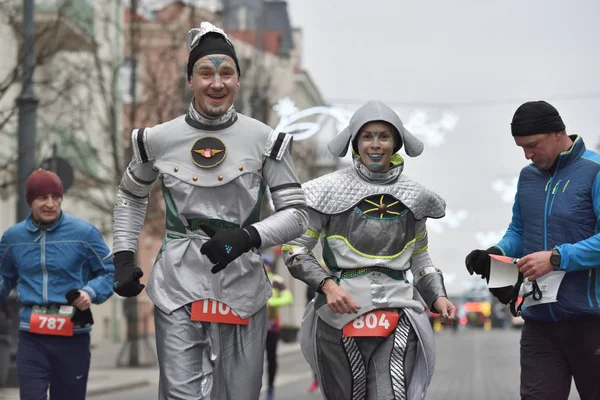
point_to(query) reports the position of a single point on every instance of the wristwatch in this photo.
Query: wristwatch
(555, 258)
(322, 283)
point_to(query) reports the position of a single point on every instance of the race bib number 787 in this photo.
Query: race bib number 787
(375, 323)
(49, 321)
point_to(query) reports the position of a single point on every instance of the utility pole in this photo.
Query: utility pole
(131, 303)
(117, 132)
(27, 103)
(131, 348)
(130, 353)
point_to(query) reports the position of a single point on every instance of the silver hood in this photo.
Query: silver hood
(374, 110)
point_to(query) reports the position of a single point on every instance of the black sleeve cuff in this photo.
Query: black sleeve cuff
(124, 257)
(494, 250)
(255, 239)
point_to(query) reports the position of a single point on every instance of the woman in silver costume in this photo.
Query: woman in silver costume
(366, 334)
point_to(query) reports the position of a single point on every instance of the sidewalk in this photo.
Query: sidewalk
(105, 377)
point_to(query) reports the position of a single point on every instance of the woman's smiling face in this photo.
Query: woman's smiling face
(376, 145)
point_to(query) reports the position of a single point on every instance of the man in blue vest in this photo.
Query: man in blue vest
(554, 232)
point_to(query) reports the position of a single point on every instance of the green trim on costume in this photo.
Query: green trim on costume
(396, 159)
(255, 214)
(312, 233)
(172, 217)
(355, 272)
(167, 239)
(421, 250)
(194, 224)
(360, 253)
(329, 258)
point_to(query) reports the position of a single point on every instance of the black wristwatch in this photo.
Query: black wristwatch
(320, 287)
(555, 258)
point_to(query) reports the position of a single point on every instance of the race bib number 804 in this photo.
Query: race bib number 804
(375, 323)
(215, 311)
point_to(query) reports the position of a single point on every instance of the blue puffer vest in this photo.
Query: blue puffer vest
(557, 210)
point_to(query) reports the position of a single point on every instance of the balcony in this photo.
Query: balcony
(60, 25)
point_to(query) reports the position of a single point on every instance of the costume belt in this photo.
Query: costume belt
(194, 224)
(392, 273)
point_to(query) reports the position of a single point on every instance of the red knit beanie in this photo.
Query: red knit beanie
(42, 182)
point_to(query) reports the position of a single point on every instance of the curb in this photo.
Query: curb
(117, 388)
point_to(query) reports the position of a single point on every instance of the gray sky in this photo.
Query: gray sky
(476, 60)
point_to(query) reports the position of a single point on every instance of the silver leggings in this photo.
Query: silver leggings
(202, 360)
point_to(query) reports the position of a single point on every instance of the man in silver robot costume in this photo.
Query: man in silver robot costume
(208, 282)
(366, 334)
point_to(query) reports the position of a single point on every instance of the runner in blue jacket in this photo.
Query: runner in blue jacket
(59, 265)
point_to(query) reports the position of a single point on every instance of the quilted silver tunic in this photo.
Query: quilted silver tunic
(215, 174)
(368, 251)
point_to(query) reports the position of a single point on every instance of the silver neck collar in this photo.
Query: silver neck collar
(222, 119)
(377, 177)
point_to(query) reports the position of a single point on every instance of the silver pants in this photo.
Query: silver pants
(365, 368)
(202, 360)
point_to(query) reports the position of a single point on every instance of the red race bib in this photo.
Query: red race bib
(45, 321)
(375, 323)
(213, 311)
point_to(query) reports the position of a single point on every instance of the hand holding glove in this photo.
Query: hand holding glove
(80, 317)
(478, 261)
(225, 245)
(506, 293)
(127, 275)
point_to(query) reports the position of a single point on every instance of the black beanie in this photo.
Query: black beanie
(211, 43)
(536, 117)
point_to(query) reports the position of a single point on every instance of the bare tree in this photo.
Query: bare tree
(80, 83)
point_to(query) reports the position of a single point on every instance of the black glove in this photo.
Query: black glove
(81, 318)
(478, 261)
(127, 275)
(506, 293)
(225, 245)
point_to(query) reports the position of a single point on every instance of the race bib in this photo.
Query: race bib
(548, 284)
(54, 321)
(375, 323)
(215, 311)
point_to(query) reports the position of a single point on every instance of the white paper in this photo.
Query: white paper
(548, 284)
(503, 271)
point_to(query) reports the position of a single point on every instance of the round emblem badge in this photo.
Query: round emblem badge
(208, 152)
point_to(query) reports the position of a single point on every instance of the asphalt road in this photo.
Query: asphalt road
(471, 365)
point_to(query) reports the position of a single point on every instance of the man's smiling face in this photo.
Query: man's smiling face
(214, 82)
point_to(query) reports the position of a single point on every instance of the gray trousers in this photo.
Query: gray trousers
(202, 360)
(365, 368)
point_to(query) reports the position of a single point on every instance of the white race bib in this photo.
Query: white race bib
(548, 284)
